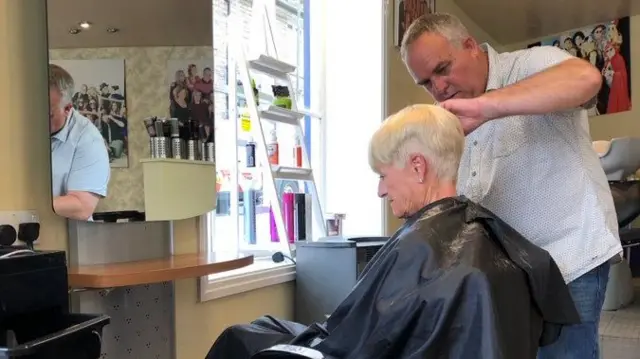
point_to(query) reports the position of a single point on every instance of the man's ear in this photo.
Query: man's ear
(470, 43)
(68, 108)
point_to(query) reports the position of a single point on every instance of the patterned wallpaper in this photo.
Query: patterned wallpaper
(147, 95)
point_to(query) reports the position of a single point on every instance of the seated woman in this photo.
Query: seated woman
(454, 282)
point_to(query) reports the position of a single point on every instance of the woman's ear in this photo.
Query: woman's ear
(419, 166)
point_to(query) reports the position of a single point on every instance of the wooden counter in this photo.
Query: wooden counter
(151, 271)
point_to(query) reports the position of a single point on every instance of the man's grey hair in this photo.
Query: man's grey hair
(429, 130)
(446, 25)
(62, 81)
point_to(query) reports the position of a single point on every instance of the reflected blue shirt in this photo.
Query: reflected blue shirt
(79, 158)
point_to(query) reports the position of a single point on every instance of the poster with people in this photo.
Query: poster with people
(190, 95)
(406, 11)
(608, 47)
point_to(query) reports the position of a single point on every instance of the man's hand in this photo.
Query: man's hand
(472, 112)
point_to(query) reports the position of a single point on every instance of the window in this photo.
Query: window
(354, 106)
(224, 229)
(341, 78)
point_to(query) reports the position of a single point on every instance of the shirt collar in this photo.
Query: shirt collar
(495, 79)
(63, 134)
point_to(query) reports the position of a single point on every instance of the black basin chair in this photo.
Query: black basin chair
(620, 158)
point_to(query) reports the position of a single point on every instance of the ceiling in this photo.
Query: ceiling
(140, 23)
(514, 21)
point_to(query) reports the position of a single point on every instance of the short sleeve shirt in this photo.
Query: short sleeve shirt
(79, 158)
(540, 173)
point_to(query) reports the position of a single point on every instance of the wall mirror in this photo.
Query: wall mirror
(127, 78)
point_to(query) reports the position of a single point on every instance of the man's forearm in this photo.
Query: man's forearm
(565, 86)
(70, 207)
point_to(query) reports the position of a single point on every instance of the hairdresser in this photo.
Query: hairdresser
(528, 154)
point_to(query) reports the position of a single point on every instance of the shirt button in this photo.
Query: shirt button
(473, 173)
(475, 143)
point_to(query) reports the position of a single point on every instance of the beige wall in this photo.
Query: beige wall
(147, 95)
(199, 324)
(24, 100)
(401, 90)
(618, 124)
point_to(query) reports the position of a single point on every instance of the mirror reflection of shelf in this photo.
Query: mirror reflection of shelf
(177, 189)
(291, 173)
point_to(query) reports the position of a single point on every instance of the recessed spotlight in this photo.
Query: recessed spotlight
(74, 31)
(85, 24)
(112, 30)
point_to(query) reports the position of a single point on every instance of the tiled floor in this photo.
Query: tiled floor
(620, 331)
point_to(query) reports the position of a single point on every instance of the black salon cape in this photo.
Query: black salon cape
(454, 282)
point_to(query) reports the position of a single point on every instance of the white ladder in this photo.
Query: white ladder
(280, 71)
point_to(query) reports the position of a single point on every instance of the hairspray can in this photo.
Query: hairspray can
(162, 147)
(154, 147)
(249, 205)
(273, 230)
(250, 149)
(191, 150)
(176, 147)
(211, 153)
(287, 209)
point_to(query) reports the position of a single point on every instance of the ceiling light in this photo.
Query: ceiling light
(74, 30)
(112, 30)
(85, 24)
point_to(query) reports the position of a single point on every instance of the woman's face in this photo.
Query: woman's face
(568, 44)
(180, 76)
(399, 186)
(610, 52)
(598, 33)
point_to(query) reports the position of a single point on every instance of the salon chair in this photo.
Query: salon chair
(620, 158)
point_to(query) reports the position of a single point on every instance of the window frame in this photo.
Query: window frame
(263, 272)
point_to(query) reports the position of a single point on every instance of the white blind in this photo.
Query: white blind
(288, 33)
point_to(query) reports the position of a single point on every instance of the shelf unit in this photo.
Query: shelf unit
(280, 71)
(178, 189)
(151, 271)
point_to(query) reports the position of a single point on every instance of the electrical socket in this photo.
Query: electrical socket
(14, 218)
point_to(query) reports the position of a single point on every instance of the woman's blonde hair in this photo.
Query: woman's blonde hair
(428, 130)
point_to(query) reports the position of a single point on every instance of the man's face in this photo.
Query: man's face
(57, 114)
(444, 70)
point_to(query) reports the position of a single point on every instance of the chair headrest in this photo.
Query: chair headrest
(601, 147)
(619, 157)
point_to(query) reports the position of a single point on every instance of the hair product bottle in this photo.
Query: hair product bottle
(272, 149)
(297, 153)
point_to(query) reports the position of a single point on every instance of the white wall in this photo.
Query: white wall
(348, 47)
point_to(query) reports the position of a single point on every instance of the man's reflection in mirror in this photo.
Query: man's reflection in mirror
(79, 158)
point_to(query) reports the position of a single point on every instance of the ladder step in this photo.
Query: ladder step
(279, 114)
(291, 173)
(271, 66)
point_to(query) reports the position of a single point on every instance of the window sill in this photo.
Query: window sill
(262, 273)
